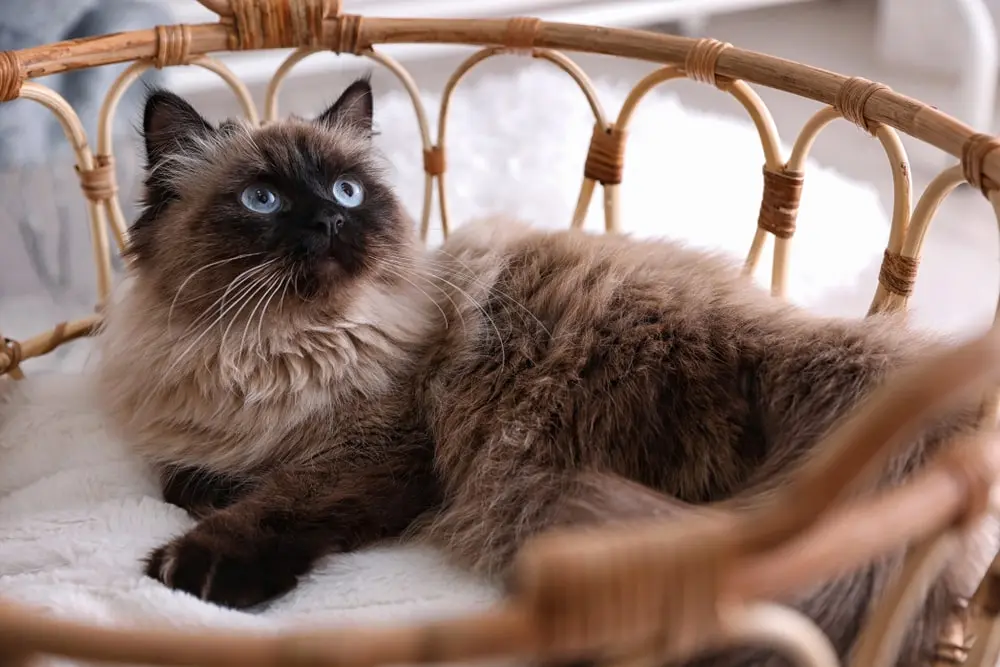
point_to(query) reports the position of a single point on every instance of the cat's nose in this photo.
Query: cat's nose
(329, 225)
(336, 221)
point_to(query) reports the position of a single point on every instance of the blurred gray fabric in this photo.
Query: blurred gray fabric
(46, 260)
(29, 134)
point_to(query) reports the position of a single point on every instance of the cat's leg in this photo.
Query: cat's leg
(487, 520)
(199, 491)
(257, 548)
(484, 524)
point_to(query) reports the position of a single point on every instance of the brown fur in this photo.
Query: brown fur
(651, 363)
(509, 382)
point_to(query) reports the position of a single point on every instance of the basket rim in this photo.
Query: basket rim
(880, 104)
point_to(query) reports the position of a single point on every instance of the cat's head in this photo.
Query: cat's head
(296, 213)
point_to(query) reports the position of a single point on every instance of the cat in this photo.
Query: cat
(307, 379)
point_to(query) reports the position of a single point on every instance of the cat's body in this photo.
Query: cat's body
(509, 382)
(648, 360)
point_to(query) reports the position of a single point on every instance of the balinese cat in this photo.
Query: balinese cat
(307, 379)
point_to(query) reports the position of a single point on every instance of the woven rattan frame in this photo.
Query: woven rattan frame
(644, 593)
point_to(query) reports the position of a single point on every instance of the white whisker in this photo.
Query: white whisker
(471, 276)
(430, 283)
(503, 351)
(260, 324)
(244, 276)
(246, 292)
(273, 285)
(490, 287)
(429, 297)
(194, 273)
(262, 286)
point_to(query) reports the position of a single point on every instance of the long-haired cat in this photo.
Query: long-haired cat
(307, 380)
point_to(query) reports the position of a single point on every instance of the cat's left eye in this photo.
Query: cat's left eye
(348, 192)
(260, 199)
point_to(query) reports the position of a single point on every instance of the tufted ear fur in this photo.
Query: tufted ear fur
(171, 129)
(170, 125)
(353, 109)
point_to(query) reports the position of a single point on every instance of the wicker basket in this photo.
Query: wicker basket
(648, 593)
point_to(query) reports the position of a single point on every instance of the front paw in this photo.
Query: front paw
(231, 570)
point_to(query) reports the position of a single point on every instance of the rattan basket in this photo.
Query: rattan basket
(640, 594)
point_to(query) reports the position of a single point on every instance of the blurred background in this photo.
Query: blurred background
(943, 52)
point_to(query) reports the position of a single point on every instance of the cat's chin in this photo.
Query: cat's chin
(315, 274)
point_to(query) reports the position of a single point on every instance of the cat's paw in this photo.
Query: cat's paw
(224, 568)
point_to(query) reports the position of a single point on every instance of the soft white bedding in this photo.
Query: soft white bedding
(77, 513)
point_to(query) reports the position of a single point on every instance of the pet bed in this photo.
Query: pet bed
(67, 489)
(658, 592)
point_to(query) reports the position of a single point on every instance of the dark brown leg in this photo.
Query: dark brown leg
(256, 548)
(198, 491)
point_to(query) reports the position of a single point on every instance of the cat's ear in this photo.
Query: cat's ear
(170, 125)
(353, 109)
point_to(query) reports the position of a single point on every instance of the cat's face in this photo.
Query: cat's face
(295, 212)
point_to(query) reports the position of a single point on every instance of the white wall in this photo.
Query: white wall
(927, 35)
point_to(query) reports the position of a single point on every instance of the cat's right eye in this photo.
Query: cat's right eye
(260, 199)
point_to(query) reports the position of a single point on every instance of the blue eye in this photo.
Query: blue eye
(260, 199)
(348, 192)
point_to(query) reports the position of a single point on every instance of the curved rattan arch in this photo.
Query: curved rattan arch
(131, 74)
(927, 206)
(899, 163)
(728, 560)
(220, 7)
(766, 130)
(923, 213)
(786, 629)
(404, 77)
(985, 622)
(933, 196)
(883, 634)
(563, 63)
(85, 162)
(985, 613)
(760, 625)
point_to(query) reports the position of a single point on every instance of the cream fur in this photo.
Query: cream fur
(230, 406)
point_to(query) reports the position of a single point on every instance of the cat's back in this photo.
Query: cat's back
(605, 344)
(560, 286)
(607, 349)
(572, 278)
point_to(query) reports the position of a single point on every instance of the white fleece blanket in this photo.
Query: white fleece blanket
(77, 513)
